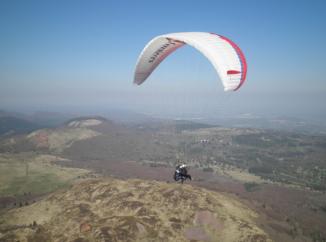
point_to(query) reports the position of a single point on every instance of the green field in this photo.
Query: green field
(30, 173)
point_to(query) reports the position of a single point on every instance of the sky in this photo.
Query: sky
(81, 55)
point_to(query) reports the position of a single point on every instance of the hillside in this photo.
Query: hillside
(280, 175)
(12, 125)
(53, 140)
(132, 210)
(30, 173)
(291, 158)
(277, 156)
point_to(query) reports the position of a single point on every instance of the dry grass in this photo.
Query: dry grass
(60, 139)
(239, 174)
(27, 172)
(137, 210)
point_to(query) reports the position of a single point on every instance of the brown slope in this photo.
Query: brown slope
(133, 210)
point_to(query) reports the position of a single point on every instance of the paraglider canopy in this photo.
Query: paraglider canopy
(226, 57)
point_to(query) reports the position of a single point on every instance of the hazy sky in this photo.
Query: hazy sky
(62, 55)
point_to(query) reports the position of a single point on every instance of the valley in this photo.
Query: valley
(279, 175)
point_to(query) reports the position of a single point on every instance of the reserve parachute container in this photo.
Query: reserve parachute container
(226, 57)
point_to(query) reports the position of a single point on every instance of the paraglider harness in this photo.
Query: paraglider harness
(181, 173)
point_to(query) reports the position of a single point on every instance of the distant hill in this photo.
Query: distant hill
(46, 139)
(281, 123)
(85, 121)
(181, 125)
(278, 156)
(4, 113)
(51, 119)
(125, 116)
(12, 125)
(173, 125)
(18, 123)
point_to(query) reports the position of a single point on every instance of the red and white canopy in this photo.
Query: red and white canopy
(226, 57)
